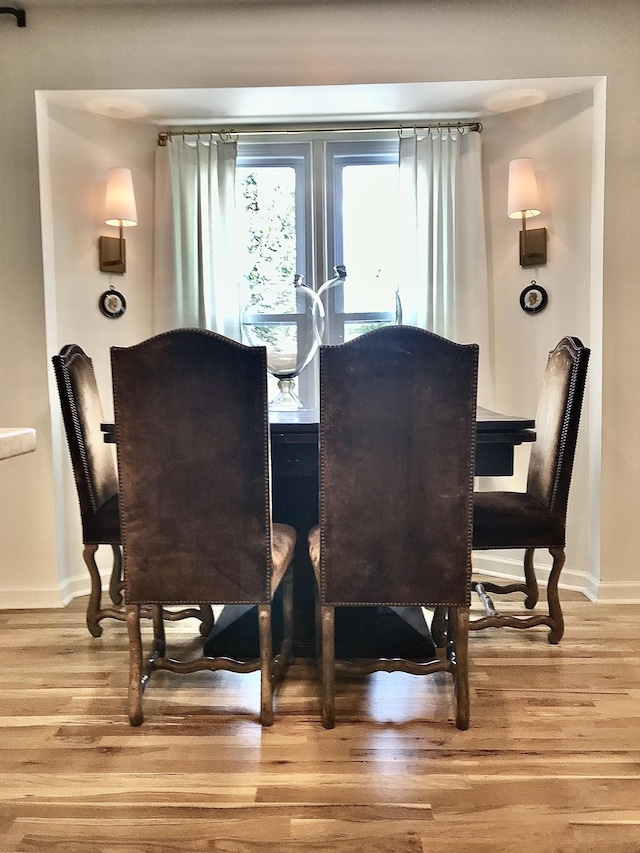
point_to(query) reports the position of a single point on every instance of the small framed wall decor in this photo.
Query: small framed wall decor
(533, 299)
(112, 304)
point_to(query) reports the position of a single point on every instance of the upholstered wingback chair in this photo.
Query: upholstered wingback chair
(397, 445)
(96, 479)
(95, 476)
(193, 458)
(537, 517)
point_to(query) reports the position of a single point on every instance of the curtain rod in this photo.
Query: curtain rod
(165, 135)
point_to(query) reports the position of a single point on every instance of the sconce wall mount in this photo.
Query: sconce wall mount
(533, 246)
(523, 203)
(113, 254)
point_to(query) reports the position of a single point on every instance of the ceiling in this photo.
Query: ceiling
(389, 102)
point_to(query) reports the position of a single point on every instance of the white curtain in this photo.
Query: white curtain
(444, 283)
(196, 279)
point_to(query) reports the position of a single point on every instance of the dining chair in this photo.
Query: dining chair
(96, 481)
(192, 438)
(95, 476)
(397, 445)
(537, 517)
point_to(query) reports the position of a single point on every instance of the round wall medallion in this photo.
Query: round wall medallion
(533, 299)
(112, 304)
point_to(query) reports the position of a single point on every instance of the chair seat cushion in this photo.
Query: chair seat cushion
(103, 528)
(283, 541)
(514, 520)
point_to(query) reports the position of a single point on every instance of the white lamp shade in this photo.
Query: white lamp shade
(120, 201)
(523, 189)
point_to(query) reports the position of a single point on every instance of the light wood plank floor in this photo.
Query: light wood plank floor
(551, 761)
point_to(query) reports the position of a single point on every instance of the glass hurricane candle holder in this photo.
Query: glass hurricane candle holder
(286, 318)
(357, 305)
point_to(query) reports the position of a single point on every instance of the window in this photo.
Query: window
(362, 223)
(404, 213)
(307, 207)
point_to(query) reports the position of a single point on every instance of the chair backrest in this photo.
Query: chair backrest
(397, 447)
(193, 460)
(557, 422)
(92, 460)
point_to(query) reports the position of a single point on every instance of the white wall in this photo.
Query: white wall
(363, 42)
(558, 135)
(75, 150)
(82, 146)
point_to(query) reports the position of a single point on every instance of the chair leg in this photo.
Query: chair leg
(459, 626)
(159, 638)
(135, 665)
(284, 656)
(439, 626)
(317, 639)
(553, 601)
(207, 619)
(95, 612)
(115, 584)
(529, 587)
(530, 580)
(287, 617)
(266, 665)
(95, 595)
(328, 666)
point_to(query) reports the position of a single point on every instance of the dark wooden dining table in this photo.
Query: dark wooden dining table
(496, 435)
(294, 464)
(359, 631)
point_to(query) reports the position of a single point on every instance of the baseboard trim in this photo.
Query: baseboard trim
(30, 598)
(49, 597)
(619, 592)
(502, 568)
(79, 585)
(80, 582)
(510, 569)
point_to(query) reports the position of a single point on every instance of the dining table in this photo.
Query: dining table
(360, 632)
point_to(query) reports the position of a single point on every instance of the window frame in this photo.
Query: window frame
(339, 155)
(297, 155)
(318, 160)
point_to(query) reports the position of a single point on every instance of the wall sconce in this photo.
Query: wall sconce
(523, 202)
(120, 210)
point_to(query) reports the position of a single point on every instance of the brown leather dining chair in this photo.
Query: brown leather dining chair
(96, 481)
(95, 476)
(537, 517)
(192, 439)
(397, 446)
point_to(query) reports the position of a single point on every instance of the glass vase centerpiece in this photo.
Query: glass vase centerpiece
(367, 301)
(288, 319)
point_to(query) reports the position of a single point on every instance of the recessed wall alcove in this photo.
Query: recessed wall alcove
(559, 122)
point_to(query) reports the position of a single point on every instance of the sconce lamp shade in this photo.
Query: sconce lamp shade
(523, 190)
(119, 210)
(120, 201)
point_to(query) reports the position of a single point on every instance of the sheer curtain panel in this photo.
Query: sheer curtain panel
(196, 280)
(444, 282)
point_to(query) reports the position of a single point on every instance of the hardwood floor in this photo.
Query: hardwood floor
(551, 761)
